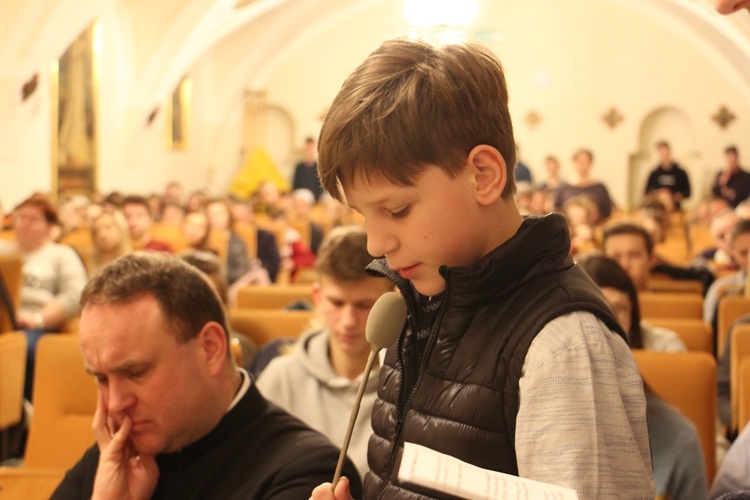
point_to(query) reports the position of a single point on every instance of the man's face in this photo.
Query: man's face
(144, 371)
(664, 155)
(418, 228)
(740, 248)
(345, 306)
(629, 250)
(733, 161)
(139, 220)
(31, 228)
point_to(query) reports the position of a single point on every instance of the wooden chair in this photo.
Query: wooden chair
(12, 370)
(696, 334)
(272, 296)
(262, 325)
(730, 308)
(744, 388)
(60, 431)
(657, 284)
(170, 234)
(11, 272)
(740, 351)
(688, 382)
(700, 238)
(670, 305)
(80, 240)
(65, 400)
(249, 235)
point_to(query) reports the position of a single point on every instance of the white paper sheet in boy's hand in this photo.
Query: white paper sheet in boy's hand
(437, 471)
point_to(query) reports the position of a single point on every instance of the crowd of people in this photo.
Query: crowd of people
(513, 358)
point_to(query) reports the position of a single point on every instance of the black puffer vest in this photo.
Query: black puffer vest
(465, 400)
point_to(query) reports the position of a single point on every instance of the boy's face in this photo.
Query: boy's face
(437, 221)
(345, 306)
(629, 250)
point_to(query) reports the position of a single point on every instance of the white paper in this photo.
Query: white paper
(426, 467)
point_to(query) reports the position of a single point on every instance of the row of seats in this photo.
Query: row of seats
(65, 401)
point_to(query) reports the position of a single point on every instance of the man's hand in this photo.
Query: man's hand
(122, 473)
(323, 492)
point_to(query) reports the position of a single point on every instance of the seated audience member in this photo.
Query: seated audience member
(719, 257)
(654, 217)
(733, 284)
(732, 182)
(300, 209)
(174, 193)
(211, 266)
(53, 276)
(195, 228)
(155, 206)
(668, 180)
(632, 247)
(176, 418)
(138, 214)
(679, 470)
(734, 472)
(582, 214)
(111, 240)
(221, 222)
(552, 167)
(172, 214)
(319, 381)
(196, 201)
(723, 380)
(583, 184)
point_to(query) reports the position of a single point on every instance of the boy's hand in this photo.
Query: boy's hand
(323, 492)
(122, 473)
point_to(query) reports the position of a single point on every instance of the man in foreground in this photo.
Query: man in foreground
(176, 418)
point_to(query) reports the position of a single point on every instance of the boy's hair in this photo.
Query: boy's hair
(629, 228)
(343, 254)
(731, 149)
(412, 104)
(662, 144)
(184, 295)
(742, 227)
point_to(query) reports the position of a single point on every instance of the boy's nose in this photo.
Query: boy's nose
(380, 242)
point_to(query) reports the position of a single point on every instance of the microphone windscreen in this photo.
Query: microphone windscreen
(386, 320)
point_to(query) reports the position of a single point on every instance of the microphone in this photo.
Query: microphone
(384, 324)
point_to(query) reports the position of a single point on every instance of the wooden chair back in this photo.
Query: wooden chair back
(675, 286)
(740, 351)
(696, 334)
(12, 370)
(65, 400)
(272, 296)
(730, 308)
(11, 272)
(744, 385)
(170, 234)
(670, 305)
(262, 325)
(688, 382)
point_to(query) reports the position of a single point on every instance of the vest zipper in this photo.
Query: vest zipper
(401, 413)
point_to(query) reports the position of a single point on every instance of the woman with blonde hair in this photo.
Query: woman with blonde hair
(111, 240)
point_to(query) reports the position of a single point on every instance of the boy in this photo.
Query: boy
(318, 383)
(511, 359)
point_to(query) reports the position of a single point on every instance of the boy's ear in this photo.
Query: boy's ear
(490, 173)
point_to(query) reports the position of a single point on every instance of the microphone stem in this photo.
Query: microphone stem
(353, 418)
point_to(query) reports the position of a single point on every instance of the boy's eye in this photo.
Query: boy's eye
(401, 213)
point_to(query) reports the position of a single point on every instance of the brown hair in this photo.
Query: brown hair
(185, 296)
(343, 254)
(43, 203)
(412, 104)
